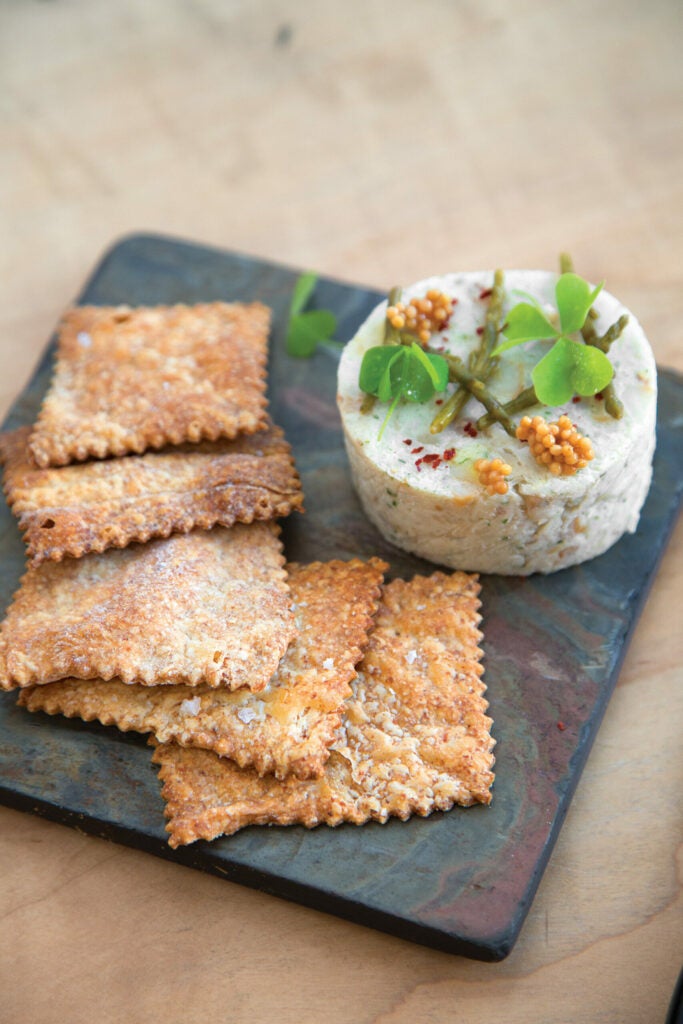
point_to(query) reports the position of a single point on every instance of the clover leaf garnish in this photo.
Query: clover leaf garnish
(570, 367)
(306, 329)
(392, 372)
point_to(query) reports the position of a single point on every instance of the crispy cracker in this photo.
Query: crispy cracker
(204, 607)
(289, 726)
(415, 736)
(131, 379)
(92, 506)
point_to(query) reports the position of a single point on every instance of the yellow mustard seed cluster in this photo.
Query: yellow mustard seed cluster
(559, 446)
(492, 473)
(422, 317)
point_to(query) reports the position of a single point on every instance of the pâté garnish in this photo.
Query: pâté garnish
(575, 366)
(408, 367)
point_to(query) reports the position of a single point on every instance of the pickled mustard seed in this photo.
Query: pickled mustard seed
(421, 317)
(492, 473)
(559, 446)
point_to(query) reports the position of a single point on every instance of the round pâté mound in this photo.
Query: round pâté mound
(554, 487)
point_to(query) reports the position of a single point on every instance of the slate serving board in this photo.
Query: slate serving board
(463, 881)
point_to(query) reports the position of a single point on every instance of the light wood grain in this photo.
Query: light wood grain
(379, 141)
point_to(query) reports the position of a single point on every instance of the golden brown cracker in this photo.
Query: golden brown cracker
(130, 379)
(415, 736)
(208, 607)
(93, 506)
(288, 726)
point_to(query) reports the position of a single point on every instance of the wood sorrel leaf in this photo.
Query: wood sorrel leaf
(390, 381)
(303, 289)
(570, 368)
(592, 370)
(574, 298)
(420, 376)
(372, 367)
(392, 372)
(435, 365)
(525, 322)
(305, 330)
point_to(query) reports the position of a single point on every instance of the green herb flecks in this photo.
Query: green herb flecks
(307, 328)
(394, 372)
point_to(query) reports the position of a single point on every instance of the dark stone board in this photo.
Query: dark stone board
(462, 881)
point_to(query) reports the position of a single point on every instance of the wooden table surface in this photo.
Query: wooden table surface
(378, 141)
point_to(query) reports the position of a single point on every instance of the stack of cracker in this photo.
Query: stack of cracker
(157, 597)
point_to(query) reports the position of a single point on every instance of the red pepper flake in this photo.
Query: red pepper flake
(449, 454)
(576, 398)
(599, 397)
(407, 440)
(470, 429)
(430, 459)
(416, 451)
(486, 293)
(480, 331)
(561, 726)
(439, 401)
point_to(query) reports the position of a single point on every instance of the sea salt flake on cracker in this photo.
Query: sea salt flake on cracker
(415, 737)
(286, 728)
(92, 506)
(152, 376)
(207, 607)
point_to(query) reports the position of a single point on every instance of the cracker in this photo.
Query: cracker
(415, 736)
(131, 379)
(204, 607)
(289, 726)
(92, 506)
